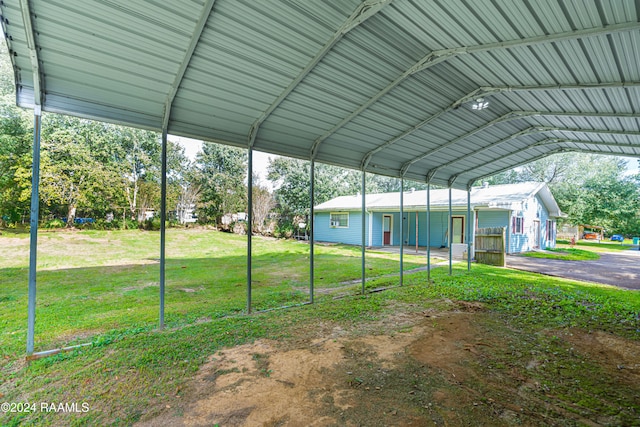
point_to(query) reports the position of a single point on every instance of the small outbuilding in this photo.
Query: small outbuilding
(527, 211)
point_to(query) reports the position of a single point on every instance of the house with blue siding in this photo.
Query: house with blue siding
(527, 211)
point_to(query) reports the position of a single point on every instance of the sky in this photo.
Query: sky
(632, 165)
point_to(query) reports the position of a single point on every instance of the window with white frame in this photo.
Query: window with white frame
(339, 220)
(517, 225)
(551, 226)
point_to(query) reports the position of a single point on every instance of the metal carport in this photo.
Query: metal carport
(393, 87)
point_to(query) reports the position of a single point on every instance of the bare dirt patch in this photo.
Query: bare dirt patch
(460, 367)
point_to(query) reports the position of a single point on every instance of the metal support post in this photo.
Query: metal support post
(33, 230)
(401, 229)
(469, 221)
(311, 228)
(429, 232)
(163, 220)
(249, 225)
(450, 234)
(364, 242)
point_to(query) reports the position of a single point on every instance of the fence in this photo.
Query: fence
(490, 246)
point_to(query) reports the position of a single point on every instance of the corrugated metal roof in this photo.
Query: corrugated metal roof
(381, 85)
(508, 196)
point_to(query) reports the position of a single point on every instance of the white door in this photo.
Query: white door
(386, 230)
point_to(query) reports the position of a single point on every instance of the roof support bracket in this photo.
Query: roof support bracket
(576, 130)
(430, 175)
(38, 87)
(367, 158)
(552, 141)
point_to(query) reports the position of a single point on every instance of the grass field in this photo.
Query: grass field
(94, 282)
(566, 254)
(602, 246)
(102, 287)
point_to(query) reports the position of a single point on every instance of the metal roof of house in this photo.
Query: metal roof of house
(386, 86)
(508, 196)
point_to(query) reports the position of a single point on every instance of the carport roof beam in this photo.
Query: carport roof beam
(532, 159)
(38, 89)
(580, 114)
(514, 153)
(195, 39)
(577, 141)
(367, 158)
(557, 141)
(437, 56)
(363, 12)
(580, 130)
(599, 152)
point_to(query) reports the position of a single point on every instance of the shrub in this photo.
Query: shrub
(151, 224)
(119, 224)
(54, 223)
(285, 230)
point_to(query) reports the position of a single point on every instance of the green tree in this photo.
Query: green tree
(67, 174)
(97, 168)
(16, 136)
(183, 188)
(291, 179)
(139, 161)
(221, 176)
(590, 189)
(608, 198)
(263, 204)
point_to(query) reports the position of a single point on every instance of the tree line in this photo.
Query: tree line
(590, 189)
(112, 173)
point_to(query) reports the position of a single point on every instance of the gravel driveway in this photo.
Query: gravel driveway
(620, 269)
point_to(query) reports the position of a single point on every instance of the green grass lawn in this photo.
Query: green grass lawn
(565, 254)
(96, 282)
(105, 292)
(602, 246)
